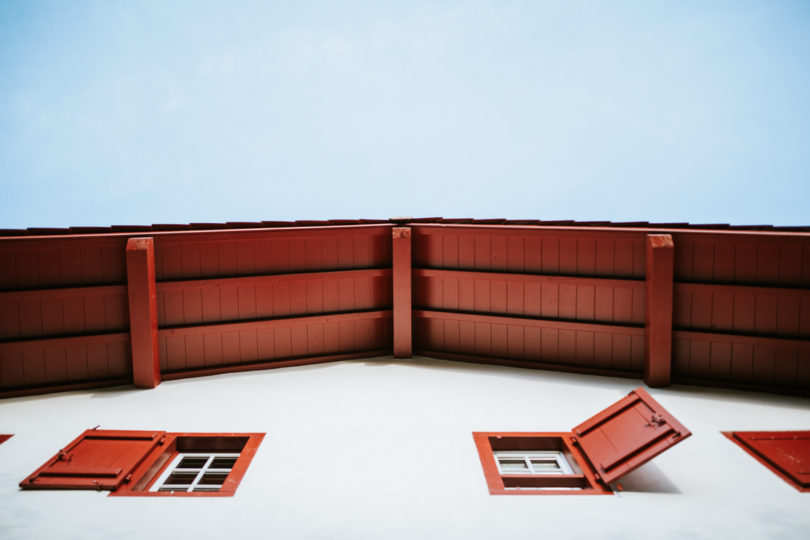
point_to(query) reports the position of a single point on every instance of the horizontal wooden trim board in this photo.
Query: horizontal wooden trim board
(740, 289)
(272, 364)
(275, 323)
(37, 242)
(611, 232)
(691, 335)
(269, 279)
(89, 290)
(88, 339)
(532, 323)
(526, 364)
(637, 284)
(67, 387)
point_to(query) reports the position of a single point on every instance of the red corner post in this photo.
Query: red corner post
(143, 327)
(401, 253)
(658, 319)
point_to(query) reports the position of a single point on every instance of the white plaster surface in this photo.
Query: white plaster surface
(382, 449)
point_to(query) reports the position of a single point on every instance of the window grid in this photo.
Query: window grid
(206, 476)
(535, 462)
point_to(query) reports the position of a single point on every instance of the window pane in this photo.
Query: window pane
(545, 464)
(510, 464)
(223, 463)
(214, 478)
(193, 462)
(180, 478)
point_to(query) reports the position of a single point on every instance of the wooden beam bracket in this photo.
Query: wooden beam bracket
(143, 320)
(658, 312)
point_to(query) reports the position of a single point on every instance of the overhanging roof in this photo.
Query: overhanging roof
(582, 297)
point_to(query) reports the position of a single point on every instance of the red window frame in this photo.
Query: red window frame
(488, 443)
(175, 443)
(600, 450)
(128, 462)
(785, 453)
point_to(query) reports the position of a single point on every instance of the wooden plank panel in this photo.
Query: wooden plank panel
(623, 258)
(586, 256)
(466, 251)
(450, 251)
(724, 261)
(516, 254)
(746, 263)
(483, 255)
(604, 257)
(298, 254)
(742, 362)
(790, 264)
(191, 261)
(499, 254)
(568, 256)
(541, 255)
(767, 263)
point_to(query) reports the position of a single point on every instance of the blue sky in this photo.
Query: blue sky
(176, 112)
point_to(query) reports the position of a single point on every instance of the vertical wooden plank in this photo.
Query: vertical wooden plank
(745, 270)
(401, 275)
(500, 254)
(450, 251)
(768, 263)
(482, 295)
(604, 257)
(498, 299)
(143, 328)
(567, 256)
(603, 304)
(585, 303)
(483, 252)
(298, 254)
(658, 319)
(466, 251)
(586, 256)
(722, 310)
(516, 254)
(535, 260)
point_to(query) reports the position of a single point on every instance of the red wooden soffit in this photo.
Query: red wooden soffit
(658, 310)
(143, 327)
(401, 253)
(628, 434)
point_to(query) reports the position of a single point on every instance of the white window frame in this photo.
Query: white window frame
(174, 467)
(563, 467)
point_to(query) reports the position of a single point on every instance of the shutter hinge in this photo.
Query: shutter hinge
(64, 456)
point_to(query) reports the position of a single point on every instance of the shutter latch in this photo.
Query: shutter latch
(656, 420)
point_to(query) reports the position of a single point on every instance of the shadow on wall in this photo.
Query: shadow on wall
(646, 479)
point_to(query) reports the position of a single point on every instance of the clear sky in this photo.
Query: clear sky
(125, 112)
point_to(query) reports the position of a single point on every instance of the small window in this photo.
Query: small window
(150, 463)
(584, 461)
(545, 462)
(196, 473)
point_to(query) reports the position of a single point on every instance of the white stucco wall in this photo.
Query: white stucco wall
(382, 449)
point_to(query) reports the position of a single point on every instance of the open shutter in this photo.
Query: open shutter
(97, 459)
(787, 453)
(628, 434)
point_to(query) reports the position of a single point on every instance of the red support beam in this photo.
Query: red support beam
(658, 312)
(143, 326)
(401, 253)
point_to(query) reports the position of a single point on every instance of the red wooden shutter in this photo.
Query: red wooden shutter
(97, 459)
(628, 434)
(787, 453)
